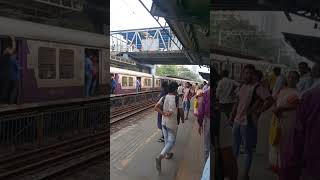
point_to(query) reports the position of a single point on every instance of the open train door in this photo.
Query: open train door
(138, 84)
(91, 71)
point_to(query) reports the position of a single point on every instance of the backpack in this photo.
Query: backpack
(177, 105)
(254, 99)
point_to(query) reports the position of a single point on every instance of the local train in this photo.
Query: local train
(126, 81)
(51, 60)
(235, 66)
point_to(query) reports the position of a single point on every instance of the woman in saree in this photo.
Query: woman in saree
(285, 112)
(197, 99)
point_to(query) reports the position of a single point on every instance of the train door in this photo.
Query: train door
(91, 71)
(12, 87)
(139, 84)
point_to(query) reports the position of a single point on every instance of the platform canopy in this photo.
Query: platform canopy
(306, 46)
(205, 76)
(304, 8)
(189, 19)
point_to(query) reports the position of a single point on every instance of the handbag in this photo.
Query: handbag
(275, 131)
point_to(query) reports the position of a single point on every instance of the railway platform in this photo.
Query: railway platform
(135, 147)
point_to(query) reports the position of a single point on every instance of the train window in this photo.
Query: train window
(47, 63)
(124, 81)
(157, 82)
(131, 81)
(66, 64)
(145, 82)
(149, 82)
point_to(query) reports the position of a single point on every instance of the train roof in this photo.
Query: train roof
(129, 72)
(243, 60)
(177, 77)
(36, 31)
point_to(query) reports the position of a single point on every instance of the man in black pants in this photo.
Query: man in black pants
(5, 71)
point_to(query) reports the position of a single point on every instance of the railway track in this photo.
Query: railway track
(48, 162)
(52, 161)
(120, 114)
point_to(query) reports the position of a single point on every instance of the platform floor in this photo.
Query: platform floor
(134, 149)
(260, 163)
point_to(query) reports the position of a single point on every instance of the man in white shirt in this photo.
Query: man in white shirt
(169, 113)
(305, 81)
(315, 78)
(280, 81)
(180, 89)
(225, 92)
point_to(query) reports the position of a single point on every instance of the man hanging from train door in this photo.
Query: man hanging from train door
(113, 84)
(138, 84)
(241, 115)
(5, 59)
(88, 71)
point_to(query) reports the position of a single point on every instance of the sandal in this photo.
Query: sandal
(169, 155)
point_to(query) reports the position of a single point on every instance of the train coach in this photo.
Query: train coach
(236, 65)
(126, 81)
(51, 60)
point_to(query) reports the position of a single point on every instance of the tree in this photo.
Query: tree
(255, 43)
(172, 70)
(166, 70)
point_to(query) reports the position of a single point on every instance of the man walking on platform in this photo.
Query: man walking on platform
(186, 99)
(242, 115)
(164, 91)
(167, 106)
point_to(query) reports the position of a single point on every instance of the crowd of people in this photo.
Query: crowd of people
(9, 73)
(91, 73)
(174, 107)
(294, 101)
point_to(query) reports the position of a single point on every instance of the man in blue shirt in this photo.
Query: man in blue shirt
(88, 73)
(14, 79)
(113, 84)
(5, 67)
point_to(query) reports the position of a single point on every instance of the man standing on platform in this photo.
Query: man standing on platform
(225, 89)
(242, 131)
(305, 81)
(280, 81)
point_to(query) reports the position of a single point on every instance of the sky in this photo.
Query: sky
(130, 14)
